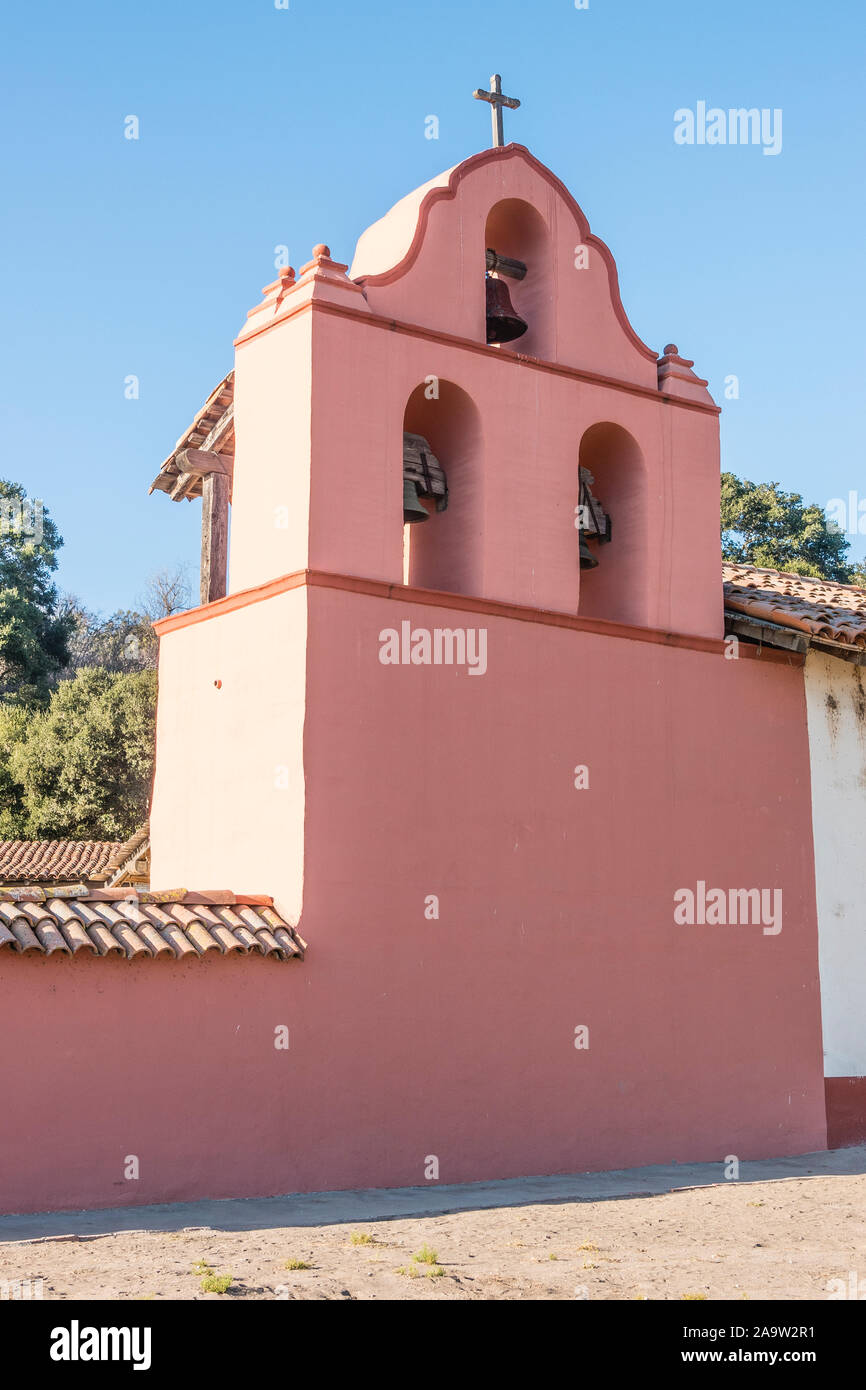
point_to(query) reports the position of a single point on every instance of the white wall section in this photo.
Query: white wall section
(836, 705)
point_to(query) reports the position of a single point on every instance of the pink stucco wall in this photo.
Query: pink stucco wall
(352, 791)
(413, 1037)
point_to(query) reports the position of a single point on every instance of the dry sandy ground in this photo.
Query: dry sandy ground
(777, 1240)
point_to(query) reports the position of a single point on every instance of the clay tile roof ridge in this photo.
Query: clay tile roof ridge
(139, 926)
(825, 610)
(45, 860)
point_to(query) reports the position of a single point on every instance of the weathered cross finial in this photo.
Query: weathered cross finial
(497, 101)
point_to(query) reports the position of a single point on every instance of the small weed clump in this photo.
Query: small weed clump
(211, 1282)
(216, 1283)
(424, 1257)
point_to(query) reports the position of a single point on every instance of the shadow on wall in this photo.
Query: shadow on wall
(445, 552)
(617, 589)
(515, 229)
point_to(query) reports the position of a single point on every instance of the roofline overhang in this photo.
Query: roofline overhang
(765, 633)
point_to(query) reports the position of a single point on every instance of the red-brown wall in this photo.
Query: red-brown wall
(454, 1038)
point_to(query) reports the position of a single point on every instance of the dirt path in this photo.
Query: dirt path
(778, 1240)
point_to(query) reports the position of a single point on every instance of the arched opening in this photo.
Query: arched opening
(516, 229)
(444, 552)
(617, 588)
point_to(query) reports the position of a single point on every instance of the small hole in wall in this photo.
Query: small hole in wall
(218, 684)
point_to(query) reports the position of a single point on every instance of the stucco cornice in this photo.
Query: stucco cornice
(494, 354)
(464, 603)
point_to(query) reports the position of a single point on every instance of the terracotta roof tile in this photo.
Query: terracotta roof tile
(73, 861)
(124, 857)
(822, 609)
(51, 860)
(143, 925)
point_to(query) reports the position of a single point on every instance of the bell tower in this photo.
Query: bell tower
(460, 708)
(467, 411)
(334, 368)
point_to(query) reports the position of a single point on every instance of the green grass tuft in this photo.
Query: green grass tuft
(425, 1256)
(216, 1283)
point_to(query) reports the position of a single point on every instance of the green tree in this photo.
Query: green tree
(857, 574)
(33, 634)
(14, 723)
(82, 768)
(766, 526)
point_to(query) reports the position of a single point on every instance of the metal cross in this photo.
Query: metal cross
(497, 101)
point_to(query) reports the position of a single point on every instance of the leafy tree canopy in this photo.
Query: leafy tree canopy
(14, 722)
(764, 525)
(82, 768)
(77, 691)
(33, 634)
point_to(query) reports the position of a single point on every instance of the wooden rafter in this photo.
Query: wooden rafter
(202, 465)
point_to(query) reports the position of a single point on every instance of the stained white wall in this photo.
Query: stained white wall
(836, 704)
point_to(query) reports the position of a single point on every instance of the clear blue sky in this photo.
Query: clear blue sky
(261, 126)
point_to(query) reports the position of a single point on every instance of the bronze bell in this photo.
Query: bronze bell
(503, 324)
(421, 467)
(412, 509)
(587, 559)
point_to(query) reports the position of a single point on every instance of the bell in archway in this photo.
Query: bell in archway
(594, 520)
(423, 476)
(587, 559)
(503, 323)
(412, 507)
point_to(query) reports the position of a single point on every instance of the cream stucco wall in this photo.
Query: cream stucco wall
(836, 704)
(228, 800)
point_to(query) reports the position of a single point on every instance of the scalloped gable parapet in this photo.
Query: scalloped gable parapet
(423, 263)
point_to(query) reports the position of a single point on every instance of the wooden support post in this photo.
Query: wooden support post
(214, 536)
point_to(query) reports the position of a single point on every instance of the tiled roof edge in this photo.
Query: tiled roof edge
(141, 925)
(829, 615)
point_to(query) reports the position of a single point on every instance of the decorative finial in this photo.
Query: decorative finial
(671, 350)
(321, 252)
(497, 101)
(283, 283)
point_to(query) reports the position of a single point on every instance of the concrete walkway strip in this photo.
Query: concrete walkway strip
(394, 1203)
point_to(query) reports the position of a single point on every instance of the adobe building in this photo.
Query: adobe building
(545, 832)
(824, 623)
